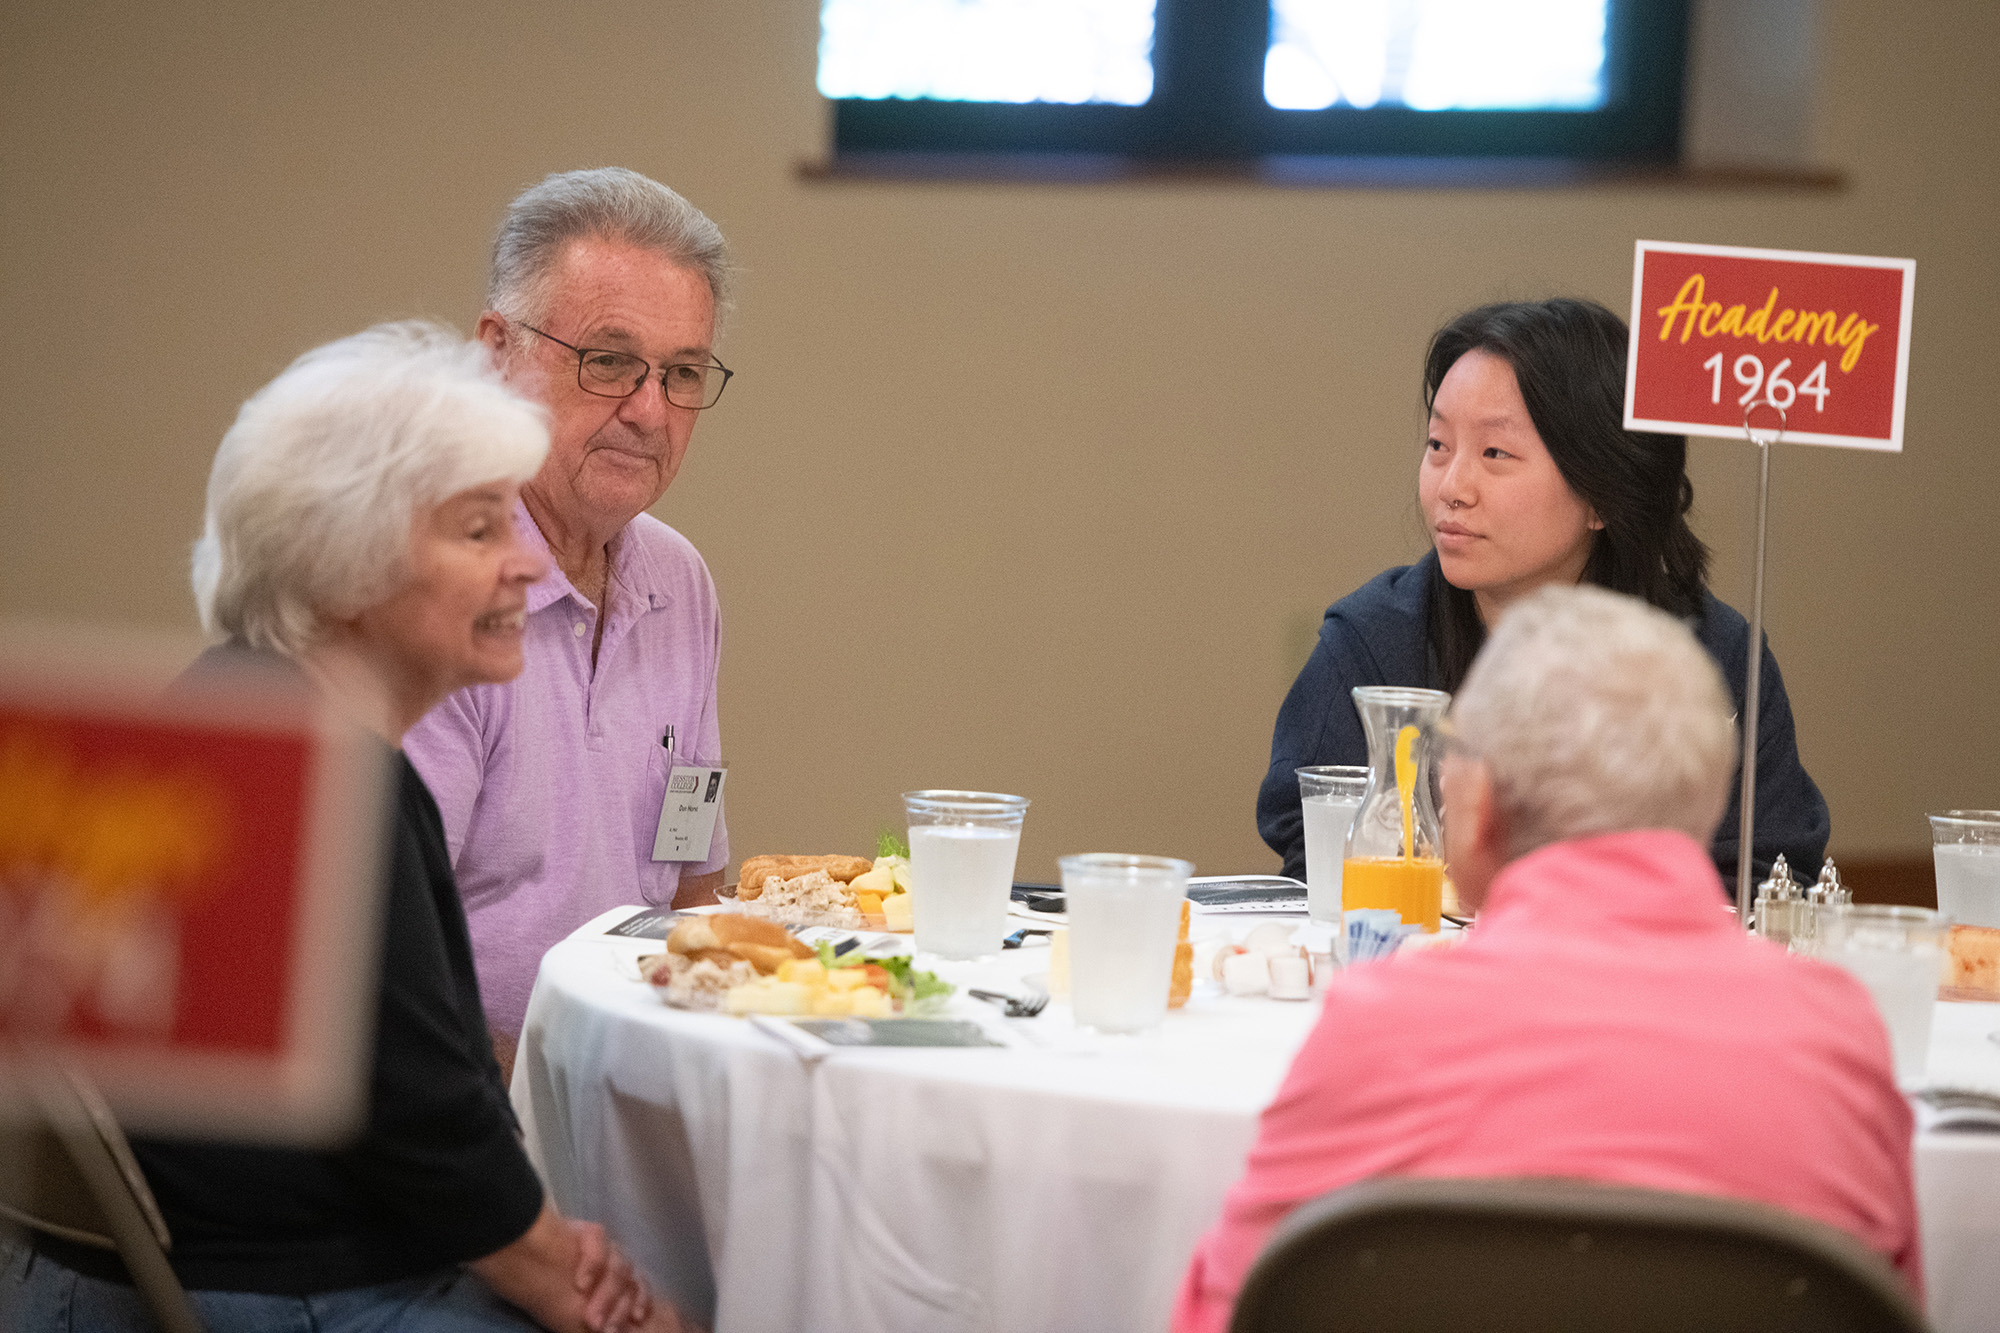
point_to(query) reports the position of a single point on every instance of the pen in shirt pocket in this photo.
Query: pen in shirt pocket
(667, 742)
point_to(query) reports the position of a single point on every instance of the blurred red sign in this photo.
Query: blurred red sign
(189, 899)
(1721, 331)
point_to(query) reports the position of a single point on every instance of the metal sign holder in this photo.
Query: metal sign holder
(1753, 677)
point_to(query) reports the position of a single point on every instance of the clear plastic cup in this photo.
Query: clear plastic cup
(1329, 794)
(962, 850)
(1124, 920)
(1899, 954)
(1965, 848)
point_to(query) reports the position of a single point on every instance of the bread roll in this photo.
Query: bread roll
(724, 937)
(750, 880)
(692, 933)
(720, 930)
(734, 928)
(764, 957)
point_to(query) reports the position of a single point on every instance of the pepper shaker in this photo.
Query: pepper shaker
(1777, 900)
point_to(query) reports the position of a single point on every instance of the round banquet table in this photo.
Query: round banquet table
(1056, 1183)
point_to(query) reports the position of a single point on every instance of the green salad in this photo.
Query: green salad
(914, 990)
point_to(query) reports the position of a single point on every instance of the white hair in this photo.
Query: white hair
(1596, 713)
(608, 203)
(317, 486)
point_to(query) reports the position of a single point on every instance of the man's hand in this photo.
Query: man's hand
(698, 890)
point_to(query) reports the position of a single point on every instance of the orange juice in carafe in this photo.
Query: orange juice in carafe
(1413, 888)
(1393, 847)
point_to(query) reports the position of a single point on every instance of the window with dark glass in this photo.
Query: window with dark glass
(1221, 79)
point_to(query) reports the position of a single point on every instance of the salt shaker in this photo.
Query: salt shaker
(1778, 899)
(1810, 916)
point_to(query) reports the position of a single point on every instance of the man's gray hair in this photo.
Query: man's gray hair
(608, 203)
(317, 486)
(1596, 713)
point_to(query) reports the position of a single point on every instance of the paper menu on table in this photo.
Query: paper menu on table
(844, 941)
(1264, 895)
(647, 923)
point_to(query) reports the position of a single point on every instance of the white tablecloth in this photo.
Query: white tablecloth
(1061, 1187)
(1958, 1179)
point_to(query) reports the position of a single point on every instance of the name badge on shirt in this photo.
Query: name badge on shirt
(687, 813)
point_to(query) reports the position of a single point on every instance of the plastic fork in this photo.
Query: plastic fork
(1017, 1007)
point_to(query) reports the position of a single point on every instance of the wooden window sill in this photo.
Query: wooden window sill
(1301, 172)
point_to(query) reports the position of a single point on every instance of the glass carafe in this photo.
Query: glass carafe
(1395, 856)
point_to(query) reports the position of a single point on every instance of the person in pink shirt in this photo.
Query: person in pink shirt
(1605, 1019)
(602, 307)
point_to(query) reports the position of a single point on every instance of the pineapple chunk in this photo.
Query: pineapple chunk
(833, 1003)
(847, 978)
(871, 1003)
(805, 971)
(880, 881)
(896, 913)
(765, 996)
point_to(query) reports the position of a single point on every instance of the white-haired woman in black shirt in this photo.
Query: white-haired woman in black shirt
(360, 531)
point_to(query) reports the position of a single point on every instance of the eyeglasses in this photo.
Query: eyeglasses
(610, 374)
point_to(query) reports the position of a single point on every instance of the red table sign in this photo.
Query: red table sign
(189, 899)
(1718, 330)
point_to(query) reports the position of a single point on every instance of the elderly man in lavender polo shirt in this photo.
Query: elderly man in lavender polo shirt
(602, 307)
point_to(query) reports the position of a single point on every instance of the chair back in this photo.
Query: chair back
(71, 1174)
(1549, 1256)
(43, 1187)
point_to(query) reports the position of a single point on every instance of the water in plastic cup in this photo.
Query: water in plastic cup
(1965, 847)
(1898, 954)
(964, 875)
(1329, 794)
(1124, 920)
(962, 848)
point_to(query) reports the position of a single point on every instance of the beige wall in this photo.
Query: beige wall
(971, 524)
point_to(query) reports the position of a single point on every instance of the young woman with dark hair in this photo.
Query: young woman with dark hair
(1529, 479)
